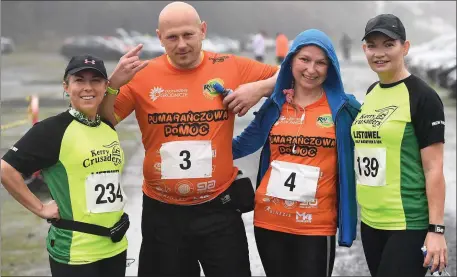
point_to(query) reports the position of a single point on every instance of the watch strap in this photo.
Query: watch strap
(436, 228)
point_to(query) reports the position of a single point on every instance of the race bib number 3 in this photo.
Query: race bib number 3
(104, 193)
(291, 181)
(370, 166)
(186, 159)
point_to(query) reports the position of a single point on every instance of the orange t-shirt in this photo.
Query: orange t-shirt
(282, 46)
(315, 146)
(186, 131)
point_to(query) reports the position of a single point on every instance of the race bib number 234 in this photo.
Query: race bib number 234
(104, 193)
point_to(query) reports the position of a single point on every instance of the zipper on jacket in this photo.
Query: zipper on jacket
(340, 224)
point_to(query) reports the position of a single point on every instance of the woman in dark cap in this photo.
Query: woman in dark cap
(399, 137)
(81, 160)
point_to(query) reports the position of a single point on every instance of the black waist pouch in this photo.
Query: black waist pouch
(119, 229)
(116, 233)
(239, 196)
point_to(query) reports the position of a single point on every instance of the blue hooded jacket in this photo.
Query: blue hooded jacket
(344, 108)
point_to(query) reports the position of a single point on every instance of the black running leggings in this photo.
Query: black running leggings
(110, 267)
(285, 255)
(393, 253)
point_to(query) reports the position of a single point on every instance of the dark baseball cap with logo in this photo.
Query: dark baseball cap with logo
(388, 24)
(82, 62)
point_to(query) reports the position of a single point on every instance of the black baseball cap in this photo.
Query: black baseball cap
(388, 24)
(82, 62)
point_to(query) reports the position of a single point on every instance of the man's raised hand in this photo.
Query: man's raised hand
(127, 67)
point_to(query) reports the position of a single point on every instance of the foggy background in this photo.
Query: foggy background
(43, 25)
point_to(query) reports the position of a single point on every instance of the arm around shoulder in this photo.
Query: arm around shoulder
(252, 138)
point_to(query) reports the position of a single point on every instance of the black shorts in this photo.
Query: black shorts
(284, 254)
(177, 238)
(109, 267)
(393, 253)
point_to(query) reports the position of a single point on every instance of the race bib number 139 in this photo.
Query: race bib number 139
(370, 166)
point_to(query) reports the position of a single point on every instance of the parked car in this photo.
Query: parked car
(151, 44)
(431, 54)
(106, 48)
(435, 61)
(441, 77)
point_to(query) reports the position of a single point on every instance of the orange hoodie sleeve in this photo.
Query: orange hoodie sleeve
(251, 70)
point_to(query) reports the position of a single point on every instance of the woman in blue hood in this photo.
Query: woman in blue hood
(305, 183)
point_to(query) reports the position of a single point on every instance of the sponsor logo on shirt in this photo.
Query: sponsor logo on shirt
(184, 187)
(308, 204)
(325, 121)
(208, 89)
(375, 119)
(289, 204)
(110, 153)
(219, 59)
(303, 217)
(288, 120)
(276, 212)
(201, 197)
(14, 148)
(204, 187)
(158, 92)
(161, 187)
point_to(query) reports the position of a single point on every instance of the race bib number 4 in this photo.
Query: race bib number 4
(186, 159)
(291, 181)
(370, 166)
(104, 193)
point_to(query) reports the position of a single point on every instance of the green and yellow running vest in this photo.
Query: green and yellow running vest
(82, 167)
(395, 122)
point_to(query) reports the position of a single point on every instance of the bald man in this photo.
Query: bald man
(191, 204)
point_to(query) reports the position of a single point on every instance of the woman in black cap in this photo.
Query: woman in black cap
(81, 161)
(399, 137)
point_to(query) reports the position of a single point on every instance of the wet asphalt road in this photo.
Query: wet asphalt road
(22, 234)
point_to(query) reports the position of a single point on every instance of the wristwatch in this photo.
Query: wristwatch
(436, 228)
(112, 91)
